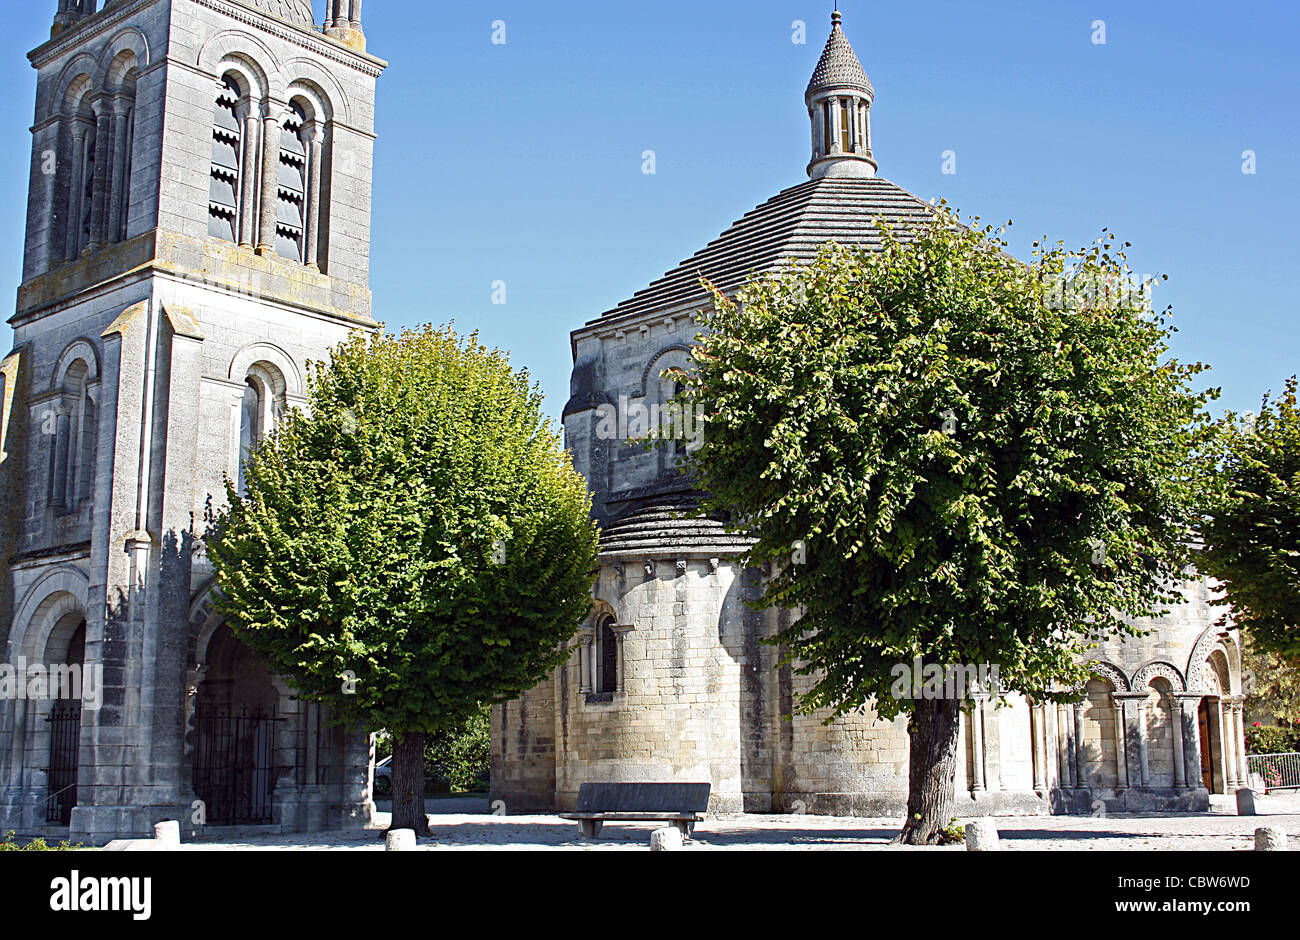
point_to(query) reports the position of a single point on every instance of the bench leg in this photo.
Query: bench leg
(590, 827)
(687, 829)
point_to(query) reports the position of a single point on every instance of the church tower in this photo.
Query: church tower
(198, 230)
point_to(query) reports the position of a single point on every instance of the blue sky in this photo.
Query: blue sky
(522, 162)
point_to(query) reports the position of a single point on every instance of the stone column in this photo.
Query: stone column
(1188, 729)
(270, 176)
(312, 214)
(1080, 746)
(585, 644)
(1121, 748)
(835, 125)
(1064, 748)
(62, 446)
(339, 15)
(621, 630)
(1180, 759)
(103, 161)
(1134, 753)
(1226, 747)
(976, 718)
(117, 192)
(1239, 722)
(247, 195)
(1037, 742)
(355, 15)
(72, 245)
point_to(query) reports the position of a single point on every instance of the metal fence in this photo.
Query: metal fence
(1278, 771)
(65, 739)
(233, 772)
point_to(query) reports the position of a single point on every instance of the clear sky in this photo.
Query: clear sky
(522, 162)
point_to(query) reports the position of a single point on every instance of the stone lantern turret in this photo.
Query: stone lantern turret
(839, 101)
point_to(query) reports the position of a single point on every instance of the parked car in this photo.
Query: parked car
(384, 777)
(435, 781)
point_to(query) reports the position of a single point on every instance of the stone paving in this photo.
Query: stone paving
(1219, 830)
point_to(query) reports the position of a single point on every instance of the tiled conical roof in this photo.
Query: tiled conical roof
(839, 66)
(792, 224)
(667, 525)
(297, 12)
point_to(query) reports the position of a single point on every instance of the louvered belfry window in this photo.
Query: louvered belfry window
(290, 211)
(223, 198)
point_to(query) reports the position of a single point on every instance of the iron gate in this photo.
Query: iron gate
(65, 746)
(233, 771)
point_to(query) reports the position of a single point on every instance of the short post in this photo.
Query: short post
(666, 840)
(167, 832)
(1245, 802)
(1270, 839)
(399, 840)
(982, 836)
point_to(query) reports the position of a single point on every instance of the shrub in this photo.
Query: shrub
(9, 844)
(1268, 739)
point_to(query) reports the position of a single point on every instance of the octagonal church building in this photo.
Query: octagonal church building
(668, 679)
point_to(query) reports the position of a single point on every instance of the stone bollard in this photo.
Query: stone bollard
(167, 832)
(665, 840)
(982, 836)
(399, 840)
(1270, 839)
(1245, 802)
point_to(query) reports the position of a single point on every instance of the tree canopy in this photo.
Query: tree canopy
(1252, 539)
(947, 454)
(415, 544)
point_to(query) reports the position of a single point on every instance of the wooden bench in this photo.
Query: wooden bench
(681, 804)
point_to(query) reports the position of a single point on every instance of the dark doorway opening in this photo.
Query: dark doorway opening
(65, 741)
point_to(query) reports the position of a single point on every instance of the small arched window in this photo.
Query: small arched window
(227, 147)
(74, 421)
(250, 428)
(606, 656)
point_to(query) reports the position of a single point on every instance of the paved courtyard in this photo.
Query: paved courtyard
(1219, 830)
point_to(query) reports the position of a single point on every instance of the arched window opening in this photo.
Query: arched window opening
(291, 212)
(827, 127)
(846, 127)
(606, 656)
(74, 441)
(85, 222)
(227, 146)
(250, 428)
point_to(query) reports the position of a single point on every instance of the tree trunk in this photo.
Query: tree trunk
(932, 769)
(408, 783)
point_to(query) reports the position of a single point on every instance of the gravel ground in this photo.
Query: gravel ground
(1219, 830)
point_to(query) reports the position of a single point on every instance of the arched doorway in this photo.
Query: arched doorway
(1208, 724)
(66, 647)
(234, 746)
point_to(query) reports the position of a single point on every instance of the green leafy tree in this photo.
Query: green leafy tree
(414, 545)
(463, 754)
(1252, 539)
(947, 459)
(1271, 684)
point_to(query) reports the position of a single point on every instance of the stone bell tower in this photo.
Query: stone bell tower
(198, 230)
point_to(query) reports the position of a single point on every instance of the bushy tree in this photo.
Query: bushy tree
(415, 545)
(1252, 540)
(948, 458)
